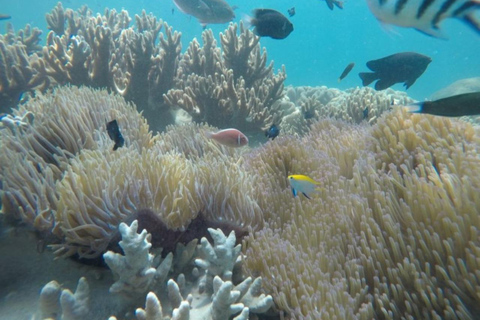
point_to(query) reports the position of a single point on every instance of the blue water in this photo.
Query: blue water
(321, 45)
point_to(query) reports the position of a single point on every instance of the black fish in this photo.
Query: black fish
(330, 4)
(114, 134)
(271, 23)
(403, 67)
(4, 16)
(467, 104)
(365, 113)
(291, 11)
(272, 132)
(346, 71)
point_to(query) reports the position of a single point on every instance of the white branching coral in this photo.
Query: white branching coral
(209, 297)
(227, 300)
(135, 269)
(220, 258)
(62, 304)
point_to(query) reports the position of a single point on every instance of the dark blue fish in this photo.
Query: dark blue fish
(346, 71)
(114, 134)
(270, 23)
(4, 16)
(272, 132)
(400, 67)
(291, 11)
(365, 113)
(467, 104)
(337, 3)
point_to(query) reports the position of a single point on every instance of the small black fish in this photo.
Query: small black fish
(270, 23)
(330, 4)
(346, 71)
(365, 113)
(4, 16)
(403, 67)
(291, 11)
(272, 132)
(309, 114)
(114, 134)
(467, 104)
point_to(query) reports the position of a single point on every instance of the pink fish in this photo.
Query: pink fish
(229, 137)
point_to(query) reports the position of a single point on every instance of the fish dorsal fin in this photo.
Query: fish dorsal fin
(261, 12)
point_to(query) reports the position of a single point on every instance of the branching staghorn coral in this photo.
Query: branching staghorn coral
(233, 89)
(397, 237)
(65, 122)
(62, 304)
(104, 51)
(210, 296)
(17, 73)
(29, 37)
(136, 270)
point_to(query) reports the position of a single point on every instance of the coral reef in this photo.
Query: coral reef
(211, 295)
(58, 303)
(17, 70)
(233, 89)
(353, 105)
(135, 269)
(394, 236)
(458, 87)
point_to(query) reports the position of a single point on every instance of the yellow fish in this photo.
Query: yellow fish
(302, 184)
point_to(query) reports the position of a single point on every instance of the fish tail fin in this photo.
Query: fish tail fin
(367, 77)
(471, 21)
(416, 107)
(339, 4)
(208, 134)
(329, 4)
(247, 21)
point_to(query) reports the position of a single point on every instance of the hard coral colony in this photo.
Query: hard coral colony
(186, 227)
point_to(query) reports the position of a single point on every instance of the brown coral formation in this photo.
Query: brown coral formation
(396, 237)
(222, 87)
(233, 88)
(17, 67)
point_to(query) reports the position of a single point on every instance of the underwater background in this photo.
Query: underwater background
(322, 44)
(120, 200)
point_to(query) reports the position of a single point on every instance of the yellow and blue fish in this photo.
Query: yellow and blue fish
(302, 184)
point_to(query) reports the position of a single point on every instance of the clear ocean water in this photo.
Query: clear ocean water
(322, 44)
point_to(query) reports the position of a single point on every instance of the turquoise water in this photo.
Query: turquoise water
(322, 44)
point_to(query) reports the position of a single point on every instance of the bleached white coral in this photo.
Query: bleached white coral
(220, 258)
(226, 300)
(211, 298)
(56, 303)
(135, 269)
